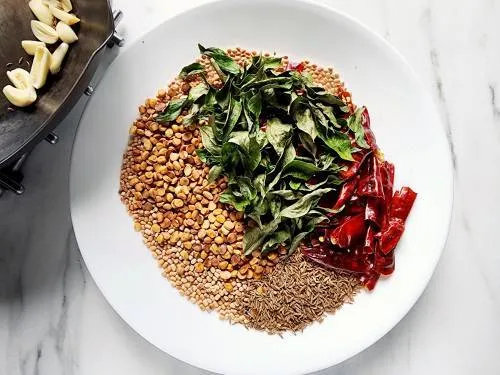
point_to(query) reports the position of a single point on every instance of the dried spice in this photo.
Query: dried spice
(296, 294)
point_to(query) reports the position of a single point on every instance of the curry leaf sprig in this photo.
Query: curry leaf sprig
(279, 139)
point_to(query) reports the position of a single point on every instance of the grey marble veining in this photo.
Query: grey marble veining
(53, 319)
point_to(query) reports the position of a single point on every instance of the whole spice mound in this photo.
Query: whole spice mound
(296, 294)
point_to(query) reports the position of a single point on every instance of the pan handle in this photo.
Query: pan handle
(116, 39)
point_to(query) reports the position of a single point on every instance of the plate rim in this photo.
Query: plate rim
(440, 129)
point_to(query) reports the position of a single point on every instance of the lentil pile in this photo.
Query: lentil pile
(197, 240)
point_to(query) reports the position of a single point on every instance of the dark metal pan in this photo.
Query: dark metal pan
(22, 129)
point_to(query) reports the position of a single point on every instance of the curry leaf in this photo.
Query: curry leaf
(214, 173)
(276, 239)
(278, 134)
(239, 203)
(234, 116)
(285, 194)
(254, 237)
(197, 92)
(338, 142)
(304, 204)
(191, 69)
(255, 105)
(354, 123)
(226, 63)
(271, 62)
(301, 170)
(253, 154)
(172, 110)
(208, 139)
(308, 143)
(305, 122)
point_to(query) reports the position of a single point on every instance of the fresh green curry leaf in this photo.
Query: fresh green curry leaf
(305, 122)
(172, 110)
(208, 139)
(226, 63)
(276, 239)
(304, 204)
(278, 134)
(354, 123)
(301, 170)
(338, 142)
(191, 70)
(197, 92)
(214, 173)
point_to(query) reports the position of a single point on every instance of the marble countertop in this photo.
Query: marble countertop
(54, 320)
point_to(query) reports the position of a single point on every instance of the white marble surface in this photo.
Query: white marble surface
(53, 319)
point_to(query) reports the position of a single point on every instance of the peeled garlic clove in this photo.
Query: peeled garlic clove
(57, 58)
(21, 79)
(30, 46)
(66, 5)
(44, 32)
(41, 11)
(66, 33)
(67, 18)
(40, 67)
(18, 97)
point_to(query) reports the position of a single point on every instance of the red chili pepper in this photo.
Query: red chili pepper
(356, 207)
(375, 211)
(300, 67)
(297, 67)
(401, 203)
(391, 235)
(345, 193)
(340, 261)
(384, 264)
(369, 245)
(370, 183)
(353, 167)
(369, 136)
(370, 280)
(387, 173)
(349, 233)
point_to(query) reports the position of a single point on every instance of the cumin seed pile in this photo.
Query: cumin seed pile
(296, 294)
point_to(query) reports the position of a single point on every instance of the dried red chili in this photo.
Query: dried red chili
(348, 233)
(345, 194)
(297, 67)
(363, 236)
(370, 182)
(401, 203)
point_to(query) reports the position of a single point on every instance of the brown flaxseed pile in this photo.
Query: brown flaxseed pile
(197, 240)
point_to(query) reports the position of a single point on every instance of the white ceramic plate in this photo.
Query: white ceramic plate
(407, 129)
